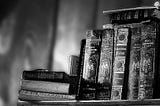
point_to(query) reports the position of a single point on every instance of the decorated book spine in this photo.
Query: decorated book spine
(106, 64)
(120, 52)
(92, 57)
(147, 69)
(134, 64)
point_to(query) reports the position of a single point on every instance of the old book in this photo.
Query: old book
(149, 70)
(80, 69)
(121, 62)
(45, 86)
(92, 56)
(134, 64)
(28, 95)
(131, 15)
(106, 64)
(45, 75)
(73, 65)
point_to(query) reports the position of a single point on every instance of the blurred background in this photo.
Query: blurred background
(43, 33)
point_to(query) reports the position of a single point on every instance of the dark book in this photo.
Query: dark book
(134, 64)
(149, 70)
(121, 63)
(29, 95)
(106, 63)
(80, 69)
(92, 56)
(45, 75)
(46, 86)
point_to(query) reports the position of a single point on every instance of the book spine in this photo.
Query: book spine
(120, 52)
(147, 69)
(92, 56)
(80, 69)
(36, 95)
(45, 76)
(106, 63)
(45, 86)
(134, 65)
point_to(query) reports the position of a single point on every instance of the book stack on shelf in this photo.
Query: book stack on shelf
(119, 62)
(44, 85)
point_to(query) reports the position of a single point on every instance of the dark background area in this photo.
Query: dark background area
(43, 33)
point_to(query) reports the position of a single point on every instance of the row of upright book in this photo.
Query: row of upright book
(120, 61)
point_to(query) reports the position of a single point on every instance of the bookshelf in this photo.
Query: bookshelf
(149, 34)
(147, 102)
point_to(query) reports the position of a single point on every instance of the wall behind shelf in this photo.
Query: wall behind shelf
(43, 33)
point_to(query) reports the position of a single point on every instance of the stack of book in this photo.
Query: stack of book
(121, 61)
(44, 85)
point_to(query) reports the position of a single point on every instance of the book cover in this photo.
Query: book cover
(148, 65)
(28, 95)
(120, 66)
(106, 63)
(45, 86)
(92, 57)
(134, 64)
(43, 75)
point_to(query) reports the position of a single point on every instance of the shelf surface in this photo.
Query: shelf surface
(147, 102)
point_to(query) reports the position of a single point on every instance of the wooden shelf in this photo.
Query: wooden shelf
(147, 102)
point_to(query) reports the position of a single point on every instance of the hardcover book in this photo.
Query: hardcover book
(92, 56)
(44, 86)
(122, 39)
(28, 95)
(106, 63)
(45, 75)
(80, 69)
(149, 60)
(134, 64)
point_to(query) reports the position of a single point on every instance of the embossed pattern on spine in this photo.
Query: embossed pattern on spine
(134, 66)
(106, 64)
(121, 39)
(147, 68)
